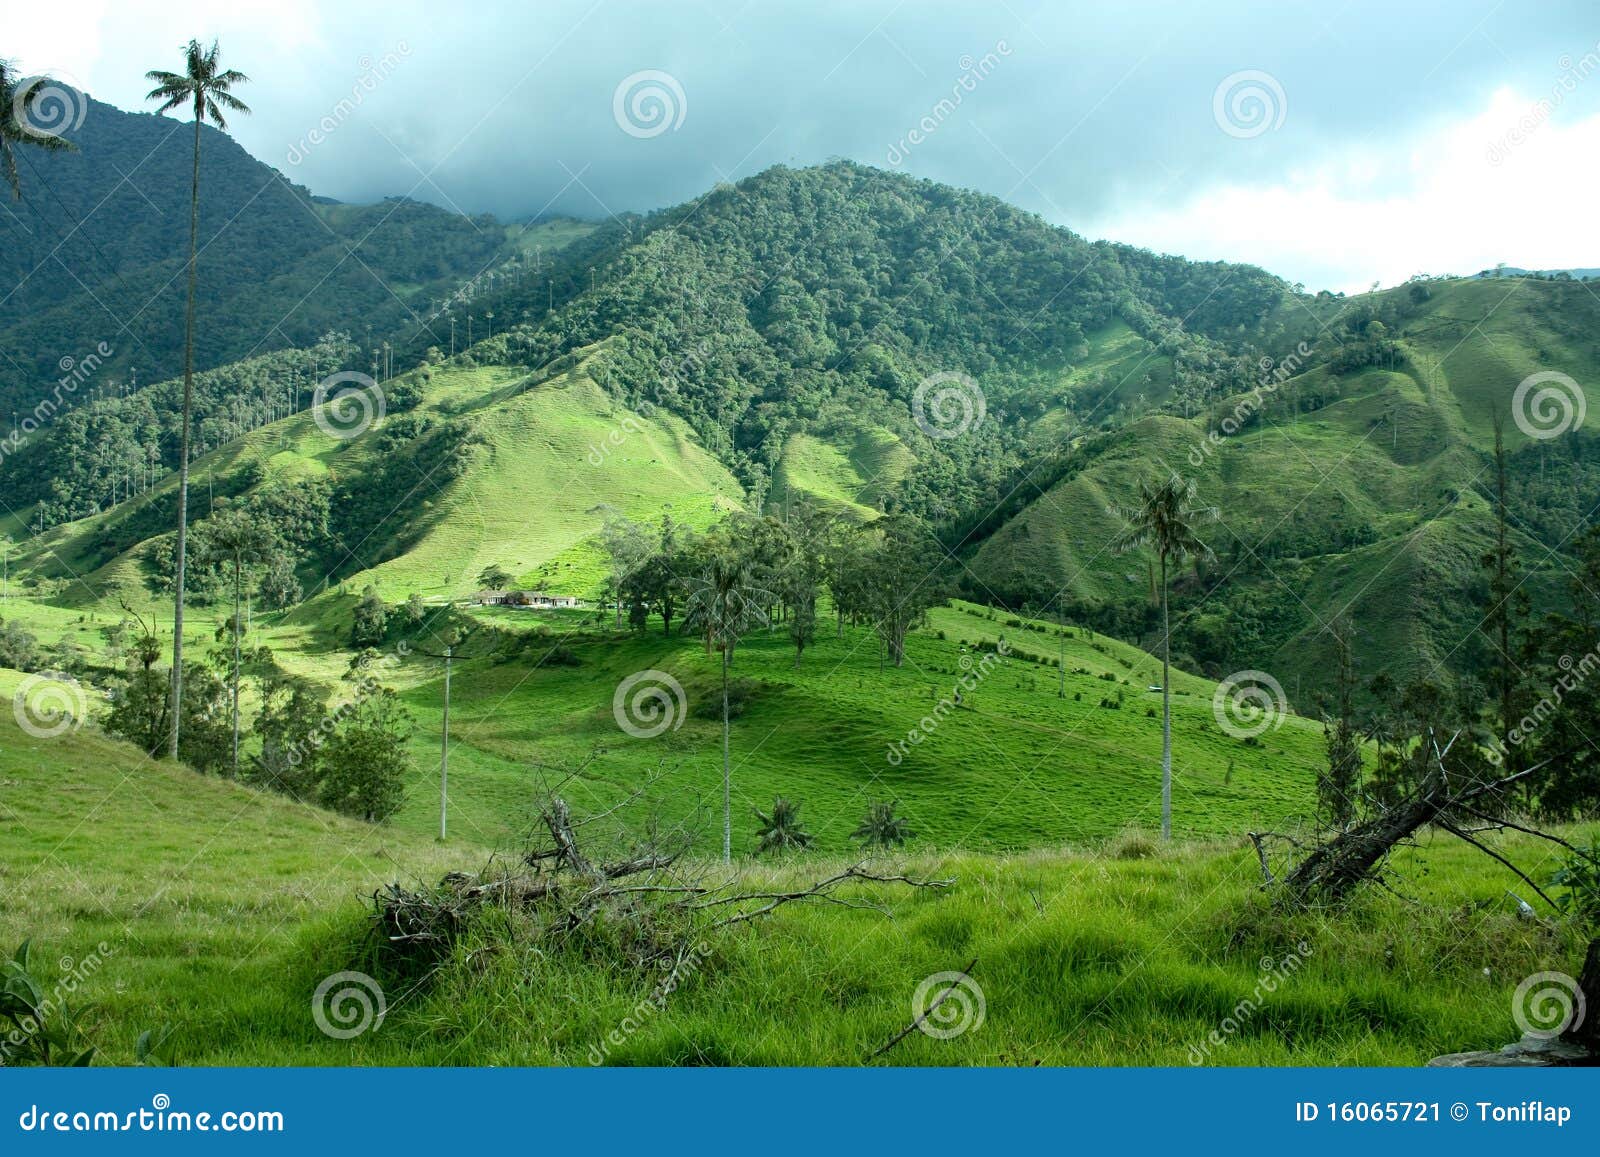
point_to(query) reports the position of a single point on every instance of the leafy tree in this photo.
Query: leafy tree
(289, 726)
(18, 105)
(416, 609)
(280, 587)
(900, 580)
(371, 621)
(1569, 785)
(139, 713)
(206, 87)
(364, 764)
(725, 604)
(883, 827)
(1165, 520)
(656, 582)
(495, 577)
(627, 545)
(780, 829)
(799, 576)
(19, 649)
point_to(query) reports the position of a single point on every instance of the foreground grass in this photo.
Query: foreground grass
(222, 909)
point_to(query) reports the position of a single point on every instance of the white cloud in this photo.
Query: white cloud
(1512, 183)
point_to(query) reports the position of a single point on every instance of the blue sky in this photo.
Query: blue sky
(1334, 144)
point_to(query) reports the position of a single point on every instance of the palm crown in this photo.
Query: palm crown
(17, 100)
(1165, 519)
(201, 84)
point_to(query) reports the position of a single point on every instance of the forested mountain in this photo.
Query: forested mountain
(94, 252)
(868, 343)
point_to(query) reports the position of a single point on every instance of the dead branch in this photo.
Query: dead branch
(1258, 838)
(1488, 851)
(817, 891)
(932, 1008)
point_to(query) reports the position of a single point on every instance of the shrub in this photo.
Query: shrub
(1579, 877)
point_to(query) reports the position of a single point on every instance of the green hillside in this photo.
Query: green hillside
(217, 911)
(1362, 493)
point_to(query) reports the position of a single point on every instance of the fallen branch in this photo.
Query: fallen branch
(921, 1020)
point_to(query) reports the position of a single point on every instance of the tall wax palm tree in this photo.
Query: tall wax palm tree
(724, 604)
(238, 540)
(206, 89)
(1165, 520)
(18, 100)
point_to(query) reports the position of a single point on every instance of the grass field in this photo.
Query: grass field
(220, 910)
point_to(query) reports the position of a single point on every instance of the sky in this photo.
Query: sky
(1335, 144)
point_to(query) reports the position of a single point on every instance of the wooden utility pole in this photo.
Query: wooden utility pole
(1061, 660)
(444, 751)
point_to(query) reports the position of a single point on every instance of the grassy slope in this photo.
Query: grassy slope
(558, 457)
(1016, 767)
(557, 448)
(223, 909)
(1397, 451)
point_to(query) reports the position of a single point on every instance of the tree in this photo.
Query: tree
(655, 582)
(1508, 607)
(627, 545)
(900, 579)
(139, 707)
(779, 830)
(292, 711)
(18, 104)
(1165, 520)
(205, 87)
(724, 603)
(365, 764)
(1569, 786)
(882, 828)
(799, 577)
(371, 620)
(237, 538)
(495, 577)
(1339, 785)
(280, 587)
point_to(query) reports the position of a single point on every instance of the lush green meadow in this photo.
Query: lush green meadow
(221, 909)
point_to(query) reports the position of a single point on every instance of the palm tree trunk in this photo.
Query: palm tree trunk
(727, 782)
(1166, 709)
(183, 447)
(1061, 659)
(236, 666)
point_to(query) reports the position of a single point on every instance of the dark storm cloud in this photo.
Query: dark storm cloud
(1065, 108)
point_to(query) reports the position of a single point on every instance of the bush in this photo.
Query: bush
(1579, 876)
(741, 694)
